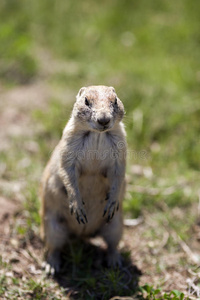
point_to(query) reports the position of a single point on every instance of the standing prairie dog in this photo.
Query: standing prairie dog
(83, 183)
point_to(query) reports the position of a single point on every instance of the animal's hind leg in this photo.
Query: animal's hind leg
(112, 233)
(56, 236)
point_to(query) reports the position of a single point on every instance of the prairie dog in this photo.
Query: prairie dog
(83, 183)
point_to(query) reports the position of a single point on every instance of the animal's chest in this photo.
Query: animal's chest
(95, 155)
(94, 160)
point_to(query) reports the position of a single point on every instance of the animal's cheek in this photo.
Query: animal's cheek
(118, 115)
(89, 114)
(84, 115)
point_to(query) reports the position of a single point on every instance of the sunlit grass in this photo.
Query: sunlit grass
(150, 52)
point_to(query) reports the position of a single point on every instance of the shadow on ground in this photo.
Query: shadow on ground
(85, 275)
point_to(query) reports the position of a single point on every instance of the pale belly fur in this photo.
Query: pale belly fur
(93, 190)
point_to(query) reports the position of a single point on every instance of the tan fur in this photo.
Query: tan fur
(84, 177)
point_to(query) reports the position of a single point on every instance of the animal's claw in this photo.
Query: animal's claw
(105, 210)
(108, 219)
(110, 210)
(83, 213)
(82, 220)
(107, 196)
(77, 218)
(117, 206)
(79, 212)
(71, 210)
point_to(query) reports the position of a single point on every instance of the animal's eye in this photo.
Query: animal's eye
(115, 101)
(87, 102)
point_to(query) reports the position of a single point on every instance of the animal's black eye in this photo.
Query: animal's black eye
(115, 101)
(87, 102)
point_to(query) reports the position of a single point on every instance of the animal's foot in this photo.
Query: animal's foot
(114, 259)
(53, 263)
(49, 270)
(110, 209)
(79, 212)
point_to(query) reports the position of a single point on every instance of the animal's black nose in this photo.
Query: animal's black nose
(103, 121)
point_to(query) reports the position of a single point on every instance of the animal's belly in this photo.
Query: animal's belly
(93, 190)
(93, 186)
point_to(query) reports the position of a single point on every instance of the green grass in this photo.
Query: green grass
(17, 64)
(149, 293)
(150, 52)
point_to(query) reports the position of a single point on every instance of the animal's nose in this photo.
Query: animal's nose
(103, 121)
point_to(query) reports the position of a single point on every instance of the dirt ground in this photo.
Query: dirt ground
(159, 266)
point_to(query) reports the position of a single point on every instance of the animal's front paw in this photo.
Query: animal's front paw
(110, 209)
(79, 212)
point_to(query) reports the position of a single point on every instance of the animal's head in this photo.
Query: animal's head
(98, 107)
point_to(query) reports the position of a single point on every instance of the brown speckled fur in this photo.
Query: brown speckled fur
(84, 178)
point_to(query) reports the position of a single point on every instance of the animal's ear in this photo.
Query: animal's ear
(81, 91)
(112, 88)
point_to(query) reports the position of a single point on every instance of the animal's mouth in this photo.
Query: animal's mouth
(101, 128)
(105, 128)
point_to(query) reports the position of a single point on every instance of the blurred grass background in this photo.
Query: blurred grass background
(148, 50)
